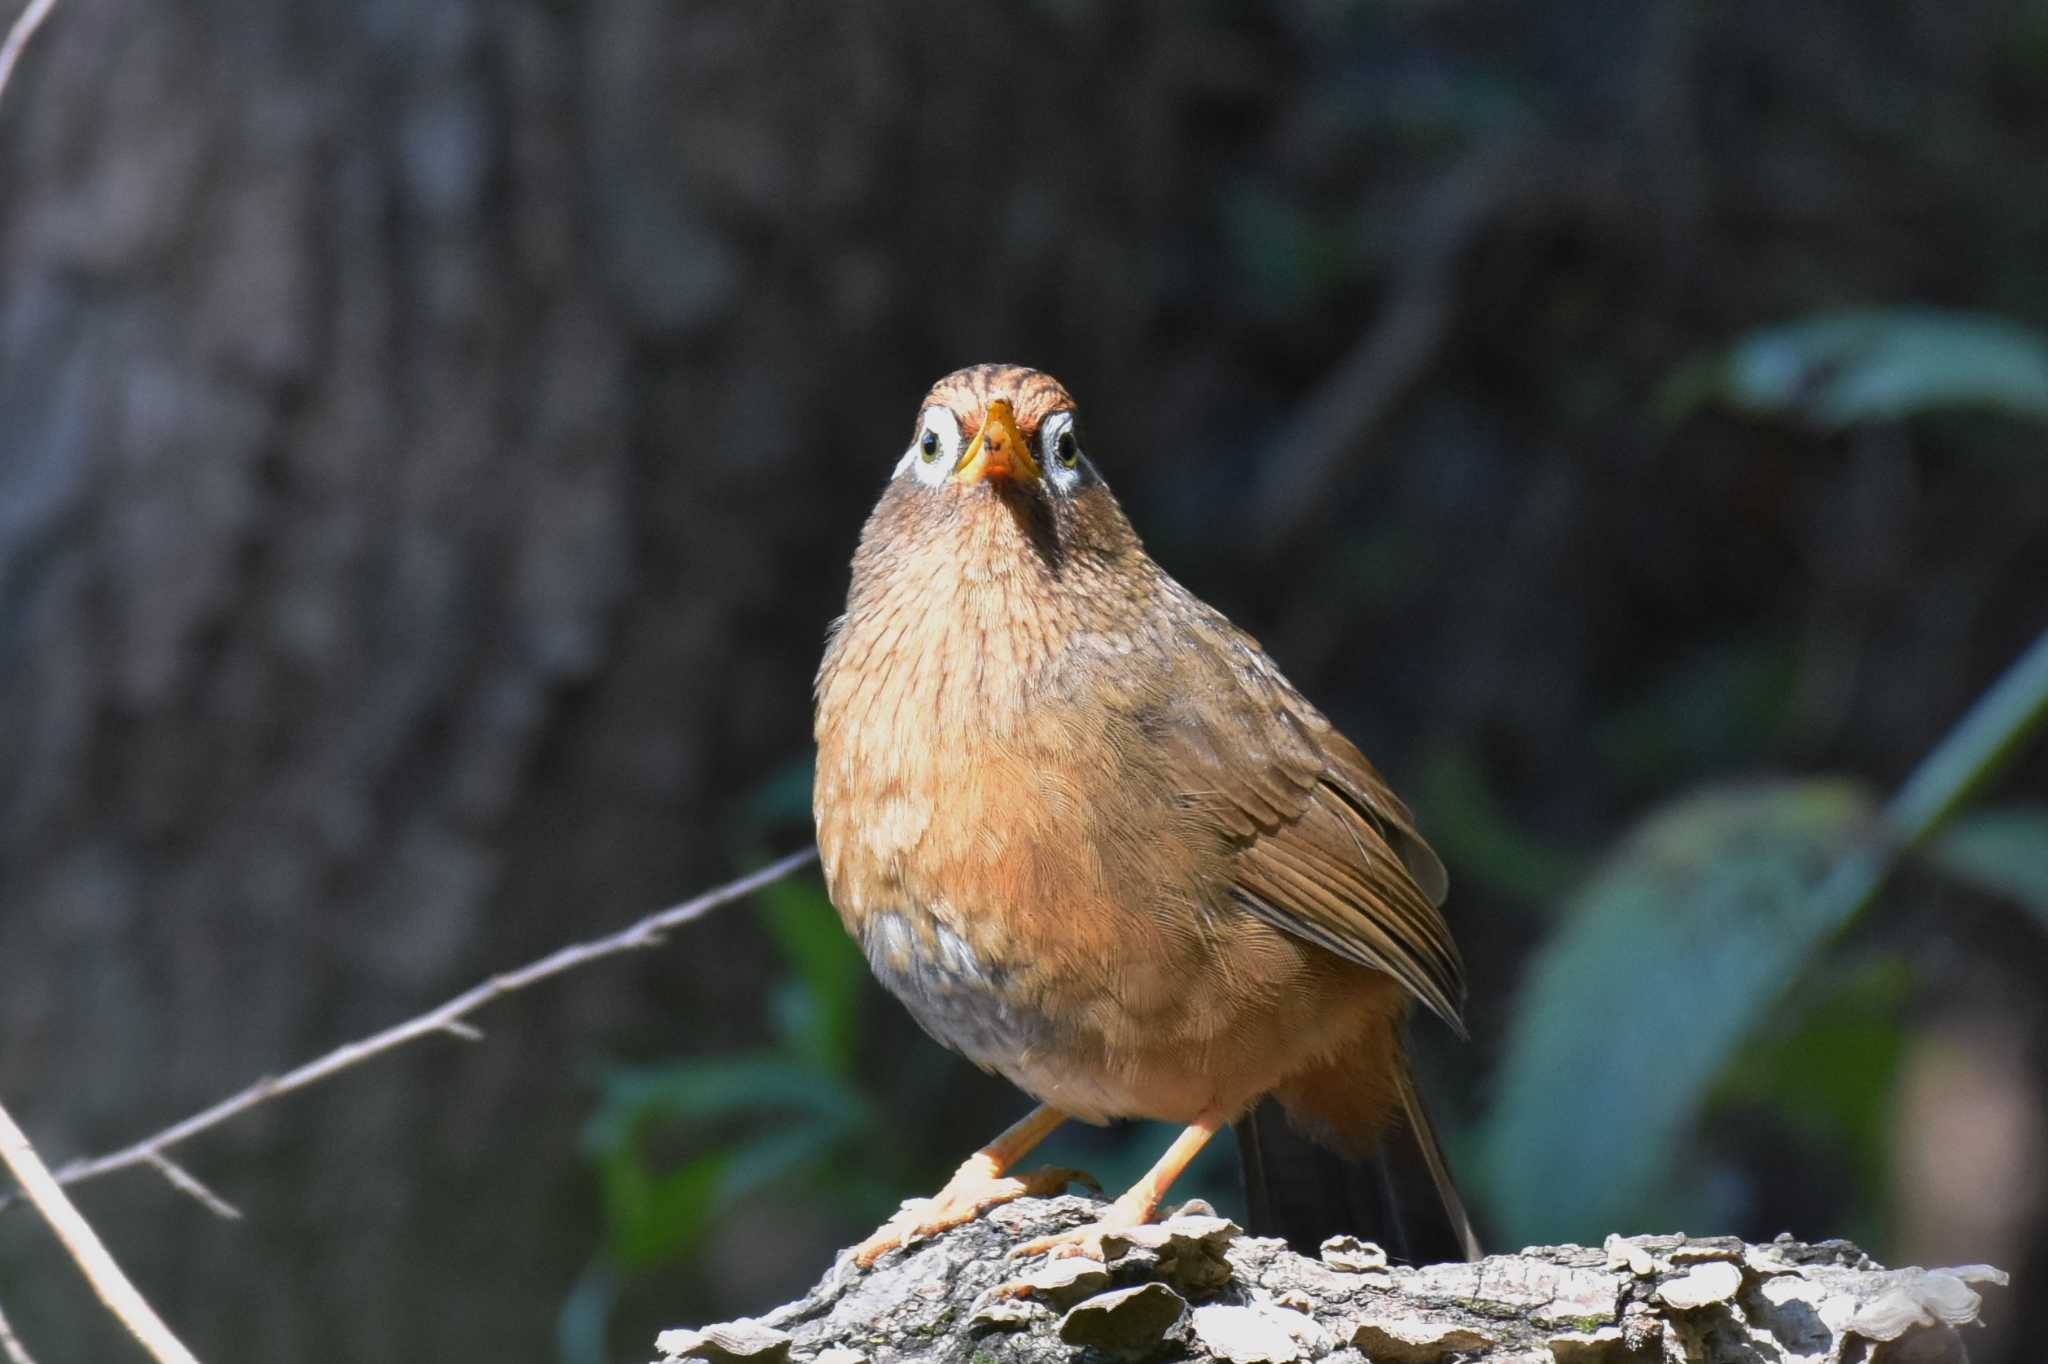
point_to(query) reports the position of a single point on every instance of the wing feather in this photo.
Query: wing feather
(1321, 846)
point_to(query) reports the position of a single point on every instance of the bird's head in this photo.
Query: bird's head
(995, 482)
(998, 430)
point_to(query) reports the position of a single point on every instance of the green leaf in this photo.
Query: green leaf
(1988, 736)
(2003, 852)
(1664, 961)
(655, 1215)
(1842, 369)
(652, 1218)
(1697, 925)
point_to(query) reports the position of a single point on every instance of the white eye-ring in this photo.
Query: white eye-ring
(1059, 451)
(932, 457)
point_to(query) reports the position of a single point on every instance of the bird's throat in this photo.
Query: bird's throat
(974, 604)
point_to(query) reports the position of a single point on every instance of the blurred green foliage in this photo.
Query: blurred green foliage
(1828, 1072)
(1691, 932)
(1872, 365)
(1631, 1010)
(2003, 852)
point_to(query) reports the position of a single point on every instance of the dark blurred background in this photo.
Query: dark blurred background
(432, 437)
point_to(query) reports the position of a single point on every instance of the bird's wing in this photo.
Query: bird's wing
(1321, 847)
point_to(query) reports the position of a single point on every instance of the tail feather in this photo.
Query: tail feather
(1421, 1135)
(1402, 1196)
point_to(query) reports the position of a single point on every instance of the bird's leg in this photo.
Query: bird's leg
(982, 1182)
(1136, 1206)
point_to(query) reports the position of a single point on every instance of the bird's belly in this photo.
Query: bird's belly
(976, 1005)
(963, 998)
(1144, 1035)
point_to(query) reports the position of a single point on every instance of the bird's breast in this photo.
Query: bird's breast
(998, 834)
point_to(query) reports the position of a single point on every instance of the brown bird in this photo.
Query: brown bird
(1095, 842)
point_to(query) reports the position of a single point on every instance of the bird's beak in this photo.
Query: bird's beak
(998, 450)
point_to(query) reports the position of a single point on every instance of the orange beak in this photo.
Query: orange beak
(998, 450)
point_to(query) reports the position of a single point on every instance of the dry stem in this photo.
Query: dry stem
(78, 1237)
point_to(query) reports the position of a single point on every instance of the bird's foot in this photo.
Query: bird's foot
(1086, 1241)
(972, 1191)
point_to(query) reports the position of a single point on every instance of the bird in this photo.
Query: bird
(1085, 830)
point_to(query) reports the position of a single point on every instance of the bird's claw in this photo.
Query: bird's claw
(966, 1196)
(1086, 1241)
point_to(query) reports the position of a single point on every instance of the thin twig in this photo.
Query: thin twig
(24, 28)
(84, 1244)
(448, 1018)
(11, 1346)
(184, 1179)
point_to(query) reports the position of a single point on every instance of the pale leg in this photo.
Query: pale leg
(1136, 1206)
(978, 1185)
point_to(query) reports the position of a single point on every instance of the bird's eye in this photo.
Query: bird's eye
(1059, 452)
(934, 448)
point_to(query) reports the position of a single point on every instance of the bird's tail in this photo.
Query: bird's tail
(1401, 1196)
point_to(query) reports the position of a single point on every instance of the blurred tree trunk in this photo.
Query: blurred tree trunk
(335, 665)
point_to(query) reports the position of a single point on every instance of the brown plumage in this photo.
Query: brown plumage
(1088, 833)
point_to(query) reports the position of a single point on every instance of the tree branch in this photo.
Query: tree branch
(78, 1237)
(10, 1344)
(1194, 1288)
(448, 1018)
(24, 28)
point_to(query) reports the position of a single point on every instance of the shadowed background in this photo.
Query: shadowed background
(431, 442)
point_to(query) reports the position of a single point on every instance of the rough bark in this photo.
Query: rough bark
(1194, 1288)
